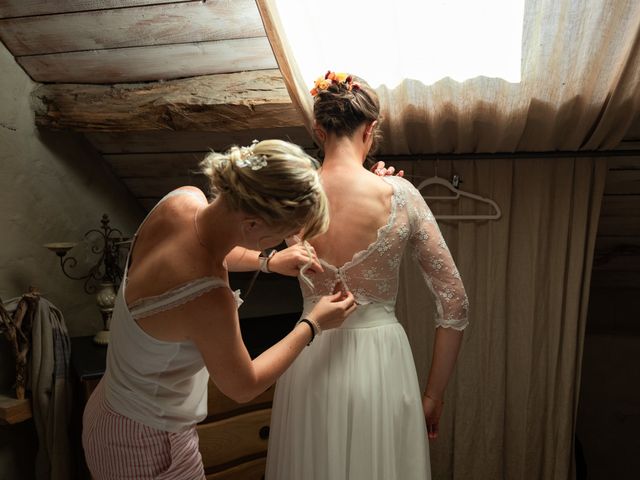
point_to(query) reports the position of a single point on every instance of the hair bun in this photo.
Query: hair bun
(273, 180)
(343, 103)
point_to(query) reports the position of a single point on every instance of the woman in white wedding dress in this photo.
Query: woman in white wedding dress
(350, 408)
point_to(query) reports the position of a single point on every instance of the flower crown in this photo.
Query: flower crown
(334, 78)
(250, 159)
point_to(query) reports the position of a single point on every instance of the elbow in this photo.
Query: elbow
(242, 397)
(241, 386)
(243, 393)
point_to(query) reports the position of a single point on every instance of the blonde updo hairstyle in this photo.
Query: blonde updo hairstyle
(274, 180)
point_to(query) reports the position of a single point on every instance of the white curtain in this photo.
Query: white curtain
(579, 86)
(510, 409)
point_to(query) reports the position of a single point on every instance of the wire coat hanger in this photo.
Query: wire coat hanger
(435, 180)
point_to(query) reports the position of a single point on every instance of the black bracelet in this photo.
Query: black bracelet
(313, 330)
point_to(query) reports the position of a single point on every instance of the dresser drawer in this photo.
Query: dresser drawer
(233, 438)
(219, 404)
(253, 470)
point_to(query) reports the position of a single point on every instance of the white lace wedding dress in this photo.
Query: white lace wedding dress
(350, 408)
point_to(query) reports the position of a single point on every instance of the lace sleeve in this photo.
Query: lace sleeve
(436, 264)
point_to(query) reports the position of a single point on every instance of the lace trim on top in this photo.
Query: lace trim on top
(459, 324)
(381, 234)
(145, 307)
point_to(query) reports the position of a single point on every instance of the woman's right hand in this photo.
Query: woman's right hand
(292, 259)
(332, 310)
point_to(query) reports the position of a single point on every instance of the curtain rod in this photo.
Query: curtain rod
(514, 155)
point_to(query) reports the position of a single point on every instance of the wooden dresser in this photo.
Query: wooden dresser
(233, 438)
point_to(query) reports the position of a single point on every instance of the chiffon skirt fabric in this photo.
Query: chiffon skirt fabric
(350, 407)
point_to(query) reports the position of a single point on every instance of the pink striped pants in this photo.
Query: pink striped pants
(117, 447)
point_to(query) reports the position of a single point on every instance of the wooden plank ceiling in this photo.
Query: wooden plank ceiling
(201, 75)
(76, 41)
(210, 81)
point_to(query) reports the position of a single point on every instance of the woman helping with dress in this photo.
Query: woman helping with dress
(175, 321)
(350, 408)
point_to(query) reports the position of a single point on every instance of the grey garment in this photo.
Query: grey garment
(51, 392)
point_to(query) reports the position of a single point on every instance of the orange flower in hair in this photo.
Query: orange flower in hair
(321, 83)
(334, 78)
(337, 77)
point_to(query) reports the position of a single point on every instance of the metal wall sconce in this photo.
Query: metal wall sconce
(103, 277)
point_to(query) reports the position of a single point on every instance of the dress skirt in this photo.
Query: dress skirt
(350, 407)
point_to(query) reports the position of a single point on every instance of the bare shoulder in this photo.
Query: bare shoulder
(189, 189)
(166, 253)
(384, 183)
(376, 186)
(356, 183)
(177, 199)
(173, 213)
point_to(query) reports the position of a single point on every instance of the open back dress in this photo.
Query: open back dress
(350, 407)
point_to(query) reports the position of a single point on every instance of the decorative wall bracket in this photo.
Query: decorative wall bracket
(104, 276)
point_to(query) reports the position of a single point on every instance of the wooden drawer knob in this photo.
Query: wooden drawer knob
(264, 433)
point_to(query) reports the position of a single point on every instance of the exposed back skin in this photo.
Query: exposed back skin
(359, 204)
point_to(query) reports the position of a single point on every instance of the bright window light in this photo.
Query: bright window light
(386, 41)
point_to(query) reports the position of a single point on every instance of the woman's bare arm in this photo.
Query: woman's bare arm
(445, 352)
(211, 322)
(285, 262)
(242, 259)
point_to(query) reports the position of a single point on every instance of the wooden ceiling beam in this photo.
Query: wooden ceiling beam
(211, 103)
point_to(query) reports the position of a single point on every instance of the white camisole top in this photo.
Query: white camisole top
(160, 384)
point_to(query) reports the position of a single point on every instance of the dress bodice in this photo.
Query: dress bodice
(372, 274)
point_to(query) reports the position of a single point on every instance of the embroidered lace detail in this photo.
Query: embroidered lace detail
(403, 232)
(177, 296)
(372, 274)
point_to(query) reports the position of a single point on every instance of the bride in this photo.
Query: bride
(350, 408)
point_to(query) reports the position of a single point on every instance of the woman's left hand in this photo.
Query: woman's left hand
(380, 170)
(432, 412)
(290, 260)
